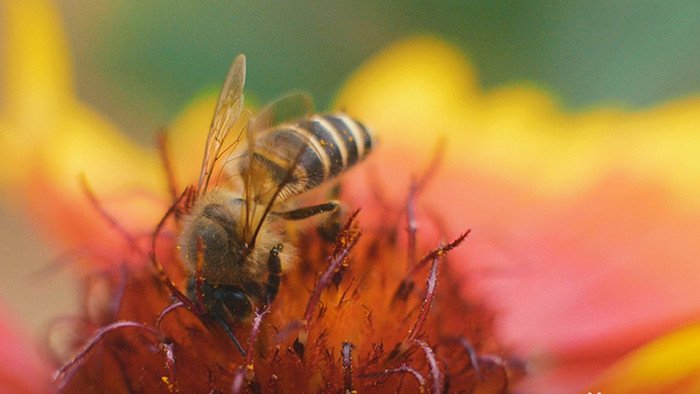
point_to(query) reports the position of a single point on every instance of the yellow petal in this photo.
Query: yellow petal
(45, 130)
(420, 82)
(668, 364)
(664, 143)
(187, 137)
(36, 67)
(421, 89)
(84, 143)
(35, 81)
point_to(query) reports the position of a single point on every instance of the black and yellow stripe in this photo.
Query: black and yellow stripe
(326, 145)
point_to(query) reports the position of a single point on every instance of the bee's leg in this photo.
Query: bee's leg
(307, 212)
(274, 272)
(328, 227)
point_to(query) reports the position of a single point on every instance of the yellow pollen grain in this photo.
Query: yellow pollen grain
(167, 382)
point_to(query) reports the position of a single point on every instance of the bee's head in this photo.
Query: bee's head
(214, 232)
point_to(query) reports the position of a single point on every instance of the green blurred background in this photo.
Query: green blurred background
(139, 62)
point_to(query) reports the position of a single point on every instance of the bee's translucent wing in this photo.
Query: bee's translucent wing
(228, 111)
(283, 110)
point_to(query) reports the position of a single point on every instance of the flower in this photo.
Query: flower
(584, 224)
(583, 235)
(348, 317)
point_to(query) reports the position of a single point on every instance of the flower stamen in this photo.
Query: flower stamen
(347, 366)
(422, 383)
(113, 222)
(434, 369)
(246, 371)
(162, 146)
(347, 239)
(66, 372)
(403, 346)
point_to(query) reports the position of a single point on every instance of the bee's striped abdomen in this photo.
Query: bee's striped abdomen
(328, 144)
(338, 142)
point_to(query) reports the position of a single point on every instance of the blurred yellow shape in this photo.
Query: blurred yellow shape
(421, 89)
(45, 130)
(668, 364)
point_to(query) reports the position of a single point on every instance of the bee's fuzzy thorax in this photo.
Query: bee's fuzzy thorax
(225, 260)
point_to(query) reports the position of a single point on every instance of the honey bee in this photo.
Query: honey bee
(234, 242)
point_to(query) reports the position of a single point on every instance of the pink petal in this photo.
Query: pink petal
(22, 369)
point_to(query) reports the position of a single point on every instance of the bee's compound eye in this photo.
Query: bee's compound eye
(227, 301)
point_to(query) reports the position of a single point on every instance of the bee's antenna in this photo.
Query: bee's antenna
(229, 333)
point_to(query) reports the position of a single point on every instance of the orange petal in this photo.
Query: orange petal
(596, 276)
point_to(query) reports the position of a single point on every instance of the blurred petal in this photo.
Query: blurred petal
(187, 137)
(585, 225)
(48, 139)
(36, 82)
(36, 66)
(668, 364)
(604, 273)
(421, 89)
(22, 370)
(663, 144)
